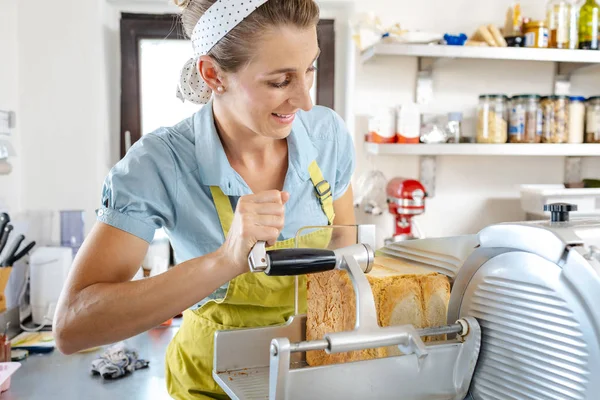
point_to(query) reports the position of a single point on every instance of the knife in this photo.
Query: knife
(4, 220)
(21, 253)
(12, 250)
(4, 234)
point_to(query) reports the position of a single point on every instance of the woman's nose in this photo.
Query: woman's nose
(301, 97)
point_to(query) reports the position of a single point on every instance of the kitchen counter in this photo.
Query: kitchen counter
(56, 376)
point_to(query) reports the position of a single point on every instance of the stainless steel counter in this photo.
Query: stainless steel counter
(56, 376)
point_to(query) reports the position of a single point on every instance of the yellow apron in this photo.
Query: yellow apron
(252, 300)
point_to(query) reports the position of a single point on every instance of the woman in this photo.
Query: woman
(259, 147)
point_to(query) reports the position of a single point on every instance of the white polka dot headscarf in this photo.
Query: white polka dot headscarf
(216, 22)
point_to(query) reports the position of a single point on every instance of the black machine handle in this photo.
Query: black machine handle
(290, 262)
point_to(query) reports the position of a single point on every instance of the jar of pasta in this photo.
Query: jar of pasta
(592, 129)
(492, 126)
(525, 119)
(555, 127)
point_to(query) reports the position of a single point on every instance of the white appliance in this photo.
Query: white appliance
(49, 267)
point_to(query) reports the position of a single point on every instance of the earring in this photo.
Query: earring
(220, 89)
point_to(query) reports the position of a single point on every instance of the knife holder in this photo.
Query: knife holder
(4, 277)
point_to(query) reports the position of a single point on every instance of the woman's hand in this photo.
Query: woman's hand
(258, 217)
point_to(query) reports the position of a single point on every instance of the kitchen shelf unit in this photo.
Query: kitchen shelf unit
(567, 62)
(467, 149)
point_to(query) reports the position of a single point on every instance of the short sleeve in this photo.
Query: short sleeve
(346, 157)
(140, 190)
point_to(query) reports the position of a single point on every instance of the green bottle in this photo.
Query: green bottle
(589, 27)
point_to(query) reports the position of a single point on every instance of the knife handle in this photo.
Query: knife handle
(290, 262)
(10, 254)
(4, 234)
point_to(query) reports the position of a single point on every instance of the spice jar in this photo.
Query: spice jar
(555, 127)
(492, 126)
(525, 118)
(593, 120)
(576, 119)
(536, 34)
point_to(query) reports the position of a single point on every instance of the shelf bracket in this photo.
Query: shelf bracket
(427, 173)
(424, 87)
(573, 170)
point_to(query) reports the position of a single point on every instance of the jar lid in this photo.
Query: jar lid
(535, 24)
(527, 96)
(556, 97)
(577, 98)
(493, 97)
(594, 98)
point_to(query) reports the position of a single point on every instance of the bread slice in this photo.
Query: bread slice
(404, 294)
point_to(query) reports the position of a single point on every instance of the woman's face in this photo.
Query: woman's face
(264, 95)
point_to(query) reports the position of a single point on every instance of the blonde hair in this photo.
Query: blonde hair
(234, 49)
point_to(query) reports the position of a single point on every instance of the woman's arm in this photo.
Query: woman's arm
(100, 304)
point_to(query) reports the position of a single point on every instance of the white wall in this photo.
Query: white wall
(68, 105)
(10, 186)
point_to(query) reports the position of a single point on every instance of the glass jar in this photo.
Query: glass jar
(592, 129)
(536, 34)
(492, 126)
(589, 25)
(525, 120)
(555, 127)
(576, 119)
(559, 23)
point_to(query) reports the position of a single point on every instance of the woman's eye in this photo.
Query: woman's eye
(280, 84)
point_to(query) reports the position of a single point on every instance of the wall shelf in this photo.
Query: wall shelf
(567, 62)
(488, 53)
(467, 149)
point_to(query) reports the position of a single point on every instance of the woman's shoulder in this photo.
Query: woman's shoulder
(168, 145)
(323, 123)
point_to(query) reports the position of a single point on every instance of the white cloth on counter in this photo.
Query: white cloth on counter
(117, 361)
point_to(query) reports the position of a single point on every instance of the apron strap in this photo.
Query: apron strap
(224, 209)
(322, 188)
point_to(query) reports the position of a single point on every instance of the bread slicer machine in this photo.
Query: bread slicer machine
(524, 323)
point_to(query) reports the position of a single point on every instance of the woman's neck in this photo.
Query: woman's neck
(253, 156)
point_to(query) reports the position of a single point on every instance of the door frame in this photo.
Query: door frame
(135, 27)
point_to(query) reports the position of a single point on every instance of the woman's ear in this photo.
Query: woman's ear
(211, 73)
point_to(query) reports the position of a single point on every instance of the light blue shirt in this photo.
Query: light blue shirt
(164, 180)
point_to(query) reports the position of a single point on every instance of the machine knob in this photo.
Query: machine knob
(559, 212)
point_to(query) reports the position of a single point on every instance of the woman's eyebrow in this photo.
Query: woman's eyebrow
(288, 70)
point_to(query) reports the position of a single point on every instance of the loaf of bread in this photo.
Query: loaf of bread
(404, 294)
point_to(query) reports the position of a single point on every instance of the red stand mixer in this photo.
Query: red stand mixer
(406, 199)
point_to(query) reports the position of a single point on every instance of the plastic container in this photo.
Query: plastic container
(7, 369)
(576, 119)
(382, 126)
(555, 127)
(492, 125)
(534, 197)
(525, 119)
(559, 23)
(536, 34)
(592, 129)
